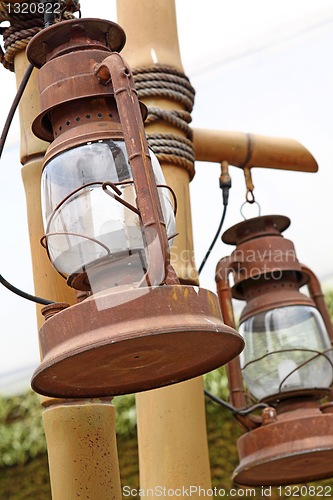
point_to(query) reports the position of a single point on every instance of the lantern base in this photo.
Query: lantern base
(297, 448)
(120, 342)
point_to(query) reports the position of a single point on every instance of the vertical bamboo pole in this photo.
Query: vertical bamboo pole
(173, 450)
(80, 434)
(151, 34)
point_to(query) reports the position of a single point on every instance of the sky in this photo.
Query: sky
(259, 67)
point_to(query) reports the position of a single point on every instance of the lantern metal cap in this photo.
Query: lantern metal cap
(266, 225)
(94, 33)
(261, 252)
(71, 50)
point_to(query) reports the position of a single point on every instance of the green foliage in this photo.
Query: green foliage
(30, 481)
(329, 302)
(21, 430)
(216, 382)
(126, 414)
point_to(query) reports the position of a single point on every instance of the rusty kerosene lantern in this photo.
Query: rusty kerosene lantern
(287, 361)
(108, 219)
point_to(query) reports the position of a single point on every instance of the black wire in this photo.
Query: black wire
(233, 409)
(214, 240)
(246, 411)
(220, 401)
(225, 186)
(25, 295)
(3, 138)
(49, 14)
(13, 107)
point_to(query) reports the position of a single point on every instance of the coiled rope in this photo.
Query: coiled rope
(152, 81)
(23, 26)
(165, 81)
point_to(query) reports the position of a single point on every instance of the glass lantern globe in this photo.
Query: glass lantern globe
(83, 225)
(287, 348)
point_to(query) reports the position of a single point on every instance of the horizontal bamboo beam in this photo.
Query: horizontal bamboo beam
(240, 149)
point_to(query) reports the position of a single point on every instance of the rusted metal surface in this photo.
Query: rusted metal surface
(298, 447)
(268, 415)
(266, 270)
(73, 69)
(99, 34)
(52, 309)
(270, 294)
(75, 107)
(318, 297)
(327, 407)
(269, 225)
(133, 340)
(235, 379)
(261, 251)
(284, 401)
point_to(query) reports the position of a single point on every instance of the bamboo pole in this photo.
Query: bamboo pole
(173, 450)
(151, 34)
(267, 152)
(74, 431)
(82, 449)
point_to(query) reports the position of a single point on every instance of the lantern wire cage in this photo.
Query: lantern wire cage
(317, 354)
(116, 196)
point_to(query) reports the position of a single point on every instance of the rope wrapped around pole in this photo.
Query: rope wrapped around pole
(165, 81)
(24, 24)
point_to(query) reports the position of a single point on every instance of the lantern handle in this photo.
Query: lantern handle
(113, 69)
(250, 202)
(318, 297)
(234, 373)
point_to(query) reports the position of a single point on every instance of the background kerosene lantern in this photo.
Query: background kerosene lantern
(287, 361)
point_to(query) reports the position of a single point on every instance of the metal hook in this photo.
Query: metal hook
(251, 203)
